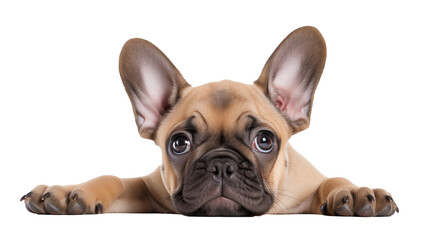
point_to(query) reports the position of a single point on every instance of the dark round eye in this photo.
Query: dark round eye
(180, 145)
(263, 142)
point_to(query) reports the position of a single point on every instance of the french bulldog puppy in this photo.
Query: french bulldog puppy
(225, 145)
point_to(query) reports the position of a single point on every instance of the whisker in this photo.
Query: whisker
(284, 206)
(277, 207)
(286, 195)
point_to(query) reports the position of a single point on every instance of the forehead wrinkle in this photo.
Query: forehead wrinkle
(202, 117)
(188, 124)
(253, 120)
(245, 113)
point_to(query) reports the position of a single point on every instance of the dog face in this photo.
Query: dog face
(224, 143)
(220, 151)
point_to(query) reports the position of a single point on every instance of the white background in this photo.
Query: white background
(65, 117)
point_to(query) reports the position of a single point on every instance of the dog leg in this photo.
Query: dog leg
(99, 195)
(340, 197)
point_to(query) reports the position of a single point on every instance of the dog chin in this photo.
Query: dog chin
(222, 206)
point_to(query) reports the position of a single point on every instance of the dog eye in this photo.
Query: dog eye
(180, 145)
(263, 142)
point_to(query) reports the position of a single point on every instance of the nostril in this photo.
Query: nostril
(222, 169)
(214, 170)
(230, 170)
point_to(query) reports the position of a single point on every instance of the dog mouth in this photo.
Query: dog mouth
(222, 184)
(221, 206)
(215, 206)
(221, 202)
(228, 203)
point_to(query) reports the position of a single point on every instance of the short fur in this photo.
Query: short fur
(220, 168)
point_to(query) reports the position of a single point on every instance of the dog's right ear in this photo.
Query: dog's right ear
(152, 82)
(290, 76)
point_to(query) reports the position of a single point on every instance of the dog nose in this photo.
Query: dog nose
(222, 169)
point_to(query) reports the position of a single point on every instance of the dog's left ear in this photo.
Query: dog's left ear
(152, 82)
(291, 75)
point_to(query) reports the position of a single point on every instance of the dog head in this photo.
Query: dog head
(223, 143)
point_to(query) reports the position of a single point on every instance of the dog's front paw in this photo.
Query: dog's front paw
(362, 202)
(61, 200)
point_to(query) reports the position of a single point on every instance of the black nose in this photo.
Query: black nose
(223, 169)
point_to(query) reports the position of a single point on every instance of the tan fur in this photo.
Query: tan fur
(297, 186)
(293, 179)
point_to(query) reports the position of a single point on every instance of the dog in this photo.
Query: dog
(225, 149)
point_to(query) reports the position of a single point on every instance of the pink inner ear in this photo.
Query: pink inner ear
(292, 99)
(281, 103)
(153, 96)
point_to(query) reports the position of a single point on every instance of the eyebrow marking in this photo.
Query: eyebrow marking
(189, 125)
(252, 123)
(242, 132)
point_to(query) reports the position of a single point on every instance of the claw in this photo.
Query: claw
(26, 196)
(98, 208)
(346, 199)
(324, 208)
(389, 198)
(45, 196)
(74, 196)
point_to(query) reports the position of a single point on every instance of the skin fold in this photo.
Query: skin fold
(225, 145)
